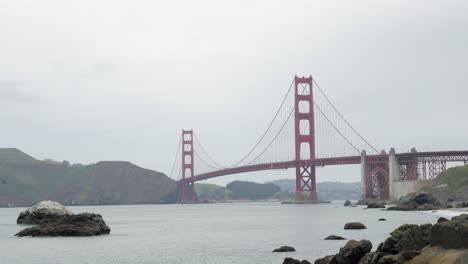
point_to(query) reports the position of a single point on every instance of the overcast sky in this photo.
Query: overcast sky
(117, 80)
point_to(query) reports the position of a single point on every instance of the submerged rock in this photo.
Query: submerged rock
(375, 205)
(382, 219)
(284, 249)
(333, 237)
(84, 224)
(44, 211)
(354, 225)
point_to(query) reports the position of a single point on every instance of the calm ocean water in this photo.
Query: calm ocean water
(204, 233)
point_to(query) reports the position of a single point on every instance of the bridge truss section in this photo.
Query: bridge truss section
(426, 166)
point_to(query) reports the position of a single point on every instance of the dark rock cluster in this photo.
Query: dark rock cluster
(417, 202)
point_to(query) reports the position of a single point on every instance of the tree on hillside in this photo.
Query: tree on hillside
(252, 190)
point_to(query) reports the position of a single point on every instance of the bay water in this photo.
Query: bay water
(205, 233)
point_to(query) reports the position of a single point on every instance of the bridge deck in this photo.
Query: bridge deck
(435, 155)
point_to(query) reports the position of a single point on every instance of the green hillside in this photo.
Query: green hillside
(455, 178)
(452, 184)
(25, 181)
(16, 156)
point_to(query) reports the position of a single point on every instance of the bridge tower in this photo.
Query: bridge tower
(304, 127)
(188, 190)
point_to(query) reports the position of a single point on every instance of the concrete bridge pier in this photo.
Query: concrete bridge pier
(394, 175)
(363, 175)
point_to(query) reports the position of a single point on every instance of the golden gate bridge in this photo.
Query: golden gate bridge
(308, 131)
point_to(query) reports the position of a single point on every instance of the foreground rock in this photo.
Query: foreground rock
(84, 224)
(351, 253)
(284, 249)
(354, 225)
(451, 234)
(333, 237)
(417, 202)
(44, 211)
(347, 203)
(295, 261)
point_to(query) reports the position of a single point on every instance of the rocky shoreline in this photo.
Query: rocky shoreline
(444, 242)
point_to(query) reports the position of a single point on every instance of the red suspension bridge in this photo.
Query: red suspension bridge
(306, 132)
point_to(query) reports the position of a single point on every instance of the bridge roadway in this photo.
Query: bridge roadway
(449, 156)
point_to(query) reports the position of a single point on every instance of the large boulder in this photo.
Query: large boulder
(42, 212)
(417, 201)
(451, 234)
(347, 203)
(84, 224)
(351, 253)
(407, 238)
(426, 198)
(355, 250)
(354, 225)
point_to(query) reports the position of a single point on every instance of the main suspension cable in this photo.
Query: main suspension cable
(177, 154)
(342, 117)
(268, 128)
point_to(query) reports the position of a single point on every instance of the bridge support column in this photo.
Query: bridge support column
(363, 175)
(304, 127)
(188, 190)
(376, 177)
(394, 174)
(306, 183)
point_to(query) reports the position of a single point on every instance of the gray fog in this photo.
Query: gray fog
(89, 80)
